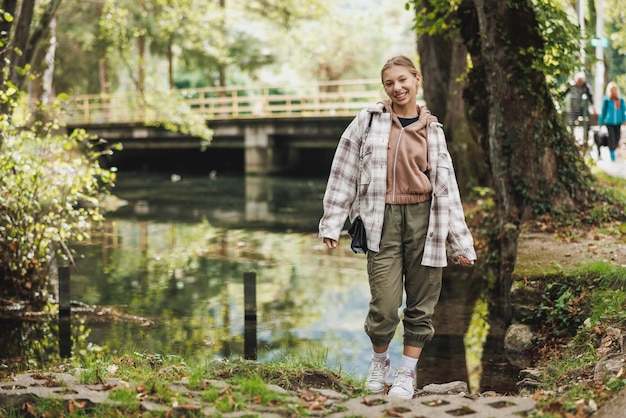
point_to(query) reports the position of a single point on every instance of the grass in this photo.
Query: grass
(170, 384)
(567, 356)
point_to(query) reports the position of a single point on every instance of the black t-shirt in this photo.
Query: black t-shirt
(407, 121)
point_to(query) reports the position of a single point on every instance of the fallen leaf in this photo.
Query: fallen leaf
(394, 413)
(29, 408)
(316, 406)
(72, 406)
(308, 396)
(109, 386)
(435, 402)
(373, 402)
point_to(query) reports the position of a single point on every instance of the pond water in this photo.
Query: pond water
(170, 262)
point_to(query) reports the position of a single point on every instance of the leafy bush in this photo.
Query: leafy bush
(49, 189)
(561, 307)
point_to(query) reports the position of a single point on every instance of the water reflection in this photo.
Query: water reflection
(269, 203)
(177, 254)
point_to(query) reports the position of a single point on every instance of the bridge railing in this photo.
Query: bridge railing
(329, 98)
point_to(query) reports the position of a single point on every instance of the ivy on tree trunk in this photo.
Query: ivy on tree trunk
(535, 164)
(535, 167)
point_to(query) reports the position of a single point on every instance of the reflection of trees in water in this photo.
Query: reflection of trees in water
(32, 343)
(188, 278)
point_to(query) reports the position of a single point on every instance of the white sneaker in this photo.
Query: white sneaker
(377, 375)
(403, 383)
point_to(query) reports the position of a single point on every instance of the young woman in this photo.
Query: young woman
(400, 180)
(613, 116)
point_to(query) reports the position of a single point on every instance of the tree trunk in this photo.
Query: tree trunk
(6, 26)
(48, 72)
(102, 72)
(20, 41)
(535, 166)
(443, 63)
(102, 57)
(27, 38)
(141, 64)
(221, 66)
(170, 62)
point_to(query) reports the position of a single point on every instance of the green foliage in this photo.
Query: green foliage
(50, 184)
(79, 65)
(169, 110)
(559, 57)
(561, 54)
(124, 395)
(600, 289)
(436, 17)
(603, 208)
(561, 307)
(593, 293)
(615, 384)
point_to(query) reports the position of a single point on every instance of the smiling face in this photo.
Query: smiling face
(401, 86)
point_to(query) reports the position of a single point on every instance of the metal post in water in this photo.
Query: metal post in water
(249, 301)
(65, 327)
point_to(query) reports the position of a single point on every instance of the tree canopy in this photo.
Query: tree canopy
(195, 43)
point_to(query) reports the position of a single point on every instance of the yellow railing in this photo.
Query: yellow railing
(332, 98)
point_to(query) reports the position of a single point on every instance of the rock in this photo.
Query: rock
(613, 341)
(517, 340)
(613, 408)
(530, 374)
(612, 365)
(523, 301)
(451, 388)
(519, 337)
(530, 380)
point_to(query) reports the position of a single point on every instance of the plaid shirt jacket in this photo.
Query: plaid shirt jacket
(357, 184)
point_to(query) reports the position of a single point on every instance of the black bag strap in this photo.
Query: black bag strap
(369, 125)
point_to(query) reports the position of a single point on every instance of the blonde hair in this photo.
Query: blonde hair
(402, 61)
(610, 87)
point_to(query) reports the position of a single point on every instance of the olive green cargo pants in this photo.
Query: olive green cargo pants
(397, 268)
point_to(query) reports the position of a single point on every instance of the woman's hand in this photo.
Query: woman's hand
(330, 243)
(463, 261)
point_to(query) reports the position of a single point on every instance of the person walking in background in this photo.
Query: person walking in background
(613, 116)
(579, 97)
(393, 169)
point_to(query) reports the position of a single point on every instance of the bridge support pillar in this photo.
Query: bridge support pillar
(261, 155)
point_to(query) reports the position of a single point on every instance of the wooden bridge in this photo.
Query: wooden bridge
(315, 99)
(262, 129)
